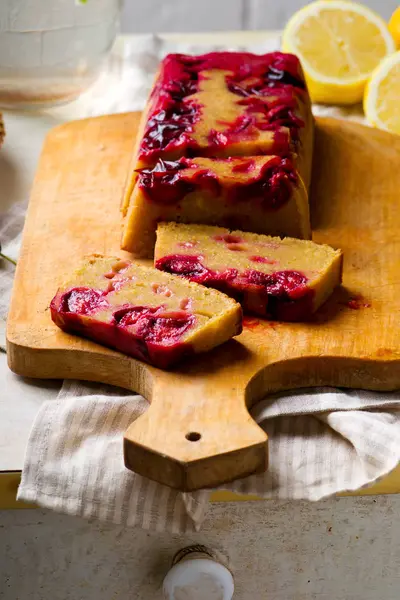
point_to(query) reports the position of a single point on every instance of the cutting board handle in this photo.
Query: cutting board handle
(180, 442)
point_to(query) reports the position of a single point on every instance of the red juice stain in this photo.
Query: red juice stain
(250, 322)
(357, 302)
(253, 323)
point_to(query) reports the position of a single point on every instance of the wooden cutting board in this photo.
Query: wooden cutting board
(197, 431)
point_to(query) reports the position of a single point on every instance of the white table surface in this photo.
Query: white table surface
(20, 398)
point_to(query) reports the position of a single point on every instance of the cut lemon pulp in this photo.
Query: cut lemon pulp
(339, 44)
(382, 95)
(394, 26)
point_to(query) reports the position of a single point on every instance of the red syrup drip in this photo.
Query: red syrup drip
(282, 295)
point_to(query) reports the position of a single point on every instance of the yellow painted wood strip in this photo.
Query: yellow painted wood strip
(9, 482)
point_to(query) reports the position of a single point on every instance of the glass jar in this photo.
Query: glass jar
(51, 50)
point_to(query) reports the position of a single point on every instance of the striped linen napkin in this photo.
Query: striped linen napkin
(322, 441)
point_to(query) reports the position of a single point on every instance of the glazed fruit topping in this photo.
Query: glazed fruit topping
(167, 184)
(281, 283)
(174, 113)
(155, 325)
(269, 116)
(279, 295)
(169, 181)
(83, 301)
(150, 324)
(186, 266)
(169, 125)
(163, 182)
(273, 187)
(291, 284)
(275, 71)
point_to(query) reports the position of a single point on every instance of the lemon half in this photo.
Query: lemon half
(339, 44)
(382, 95)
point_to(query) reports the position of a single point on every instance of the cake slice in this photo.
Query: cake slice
(263, 194)
(152, 316)
(285, 279)
(225, 104)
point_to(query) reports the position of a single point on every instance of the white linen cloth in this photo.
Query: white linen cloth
(322, 441)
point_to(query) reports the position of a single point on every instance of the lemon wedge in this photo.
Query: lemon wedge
(382, 95)
(339, 44)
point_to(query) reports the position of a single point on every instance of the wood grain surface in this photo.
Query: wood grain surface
(353, 341)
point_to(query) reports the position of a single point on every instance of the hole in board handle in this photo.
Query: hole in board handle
(193, 436)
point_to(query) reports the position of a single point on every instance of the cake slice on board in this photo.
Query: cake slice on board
(153, 316)
(284, 279)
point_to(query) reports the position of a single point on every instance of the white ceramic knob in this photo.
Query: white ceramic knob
(198, 576)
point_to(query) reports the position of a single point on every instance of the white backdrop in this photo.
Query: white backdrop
(218, 15)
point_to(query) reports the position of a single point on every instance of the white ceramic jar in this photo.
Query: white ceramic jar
(51, 50)
(198, 573)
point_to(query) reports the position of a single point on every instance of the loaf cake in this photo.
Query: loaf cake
(221, 105)
(284, 279)
(263, 194)
(156, 317)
